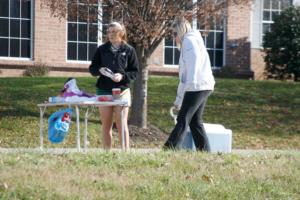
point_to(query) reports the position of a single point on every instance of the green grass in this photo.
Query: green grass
(160, 175)
(261, 114)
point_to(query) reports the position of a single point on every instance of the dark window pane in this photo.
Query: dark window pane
(25, 48)
(219, 26)
(82, 51)
(4, 27)
(210, 40)
(82, 13)
(267, 16)
(285, 4)
(219, 40)
(275, 4)
(14, 28)
(72, 32)
(266, 28)
(168, 56)
(25, 29)
(106, 17)
(72, 12)
(82, 32)
(14, 48)
(25, 9)
(93, 33)
(93, 14)
(177, 54)
(219, 59)
(3, 47)
(169, 42)
(274, 15)
(211, 56)
(92, 50)
(267, 4)
(72, 51)
(15, 8)
(104, 31)
(4, 8)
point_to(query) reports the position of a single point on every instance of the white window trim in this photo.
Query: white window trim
(262, 21)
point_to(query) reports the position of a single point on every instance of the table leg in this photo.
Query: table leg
(123, 128)
(85, 128)
(78, 128)
(41, 127)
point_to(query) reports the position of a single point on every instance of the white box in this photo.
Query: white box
(219, 138)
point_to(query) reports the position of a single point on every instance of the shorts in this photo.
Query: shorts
(125, 94)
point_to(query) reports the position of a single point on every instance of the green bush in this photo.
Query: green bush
(39, 69)
(282, 46)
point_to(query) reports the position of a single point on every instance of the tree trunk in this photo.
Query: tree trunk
(138, 115)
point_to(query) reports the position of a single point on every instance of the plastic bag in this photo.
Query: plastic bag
(71, 89)
(59, 125)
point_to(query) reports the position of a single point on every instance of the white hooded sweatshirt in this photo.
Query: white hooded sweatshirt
(195, 72)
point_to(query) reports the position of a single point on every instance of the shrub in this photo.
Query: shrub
(39, 69)
(282, 46)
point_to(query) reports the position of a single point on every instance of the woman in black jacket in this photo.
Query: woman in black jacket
(121, 59)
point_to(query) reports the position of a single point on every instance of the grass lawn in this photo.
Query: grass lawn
(261, 114)
(160, 175)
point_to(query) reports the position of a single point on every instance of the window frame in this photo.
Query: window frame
(269, 22)
(20, 38)
(215, 31)
(87, 42)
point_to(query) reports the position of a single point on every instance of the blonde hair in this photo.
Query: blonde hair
(121, 29)
(181, 26)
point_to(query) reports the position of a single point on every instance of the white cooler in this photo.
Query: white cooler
(219, 138)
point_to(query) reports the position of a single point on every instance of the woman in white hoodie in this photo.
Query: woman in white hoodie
(196, 84)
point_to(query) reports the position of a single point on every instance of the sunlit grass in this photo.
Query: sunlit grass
(261, 114)
(161, 175)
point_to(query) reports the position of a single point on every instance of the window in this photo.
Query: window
(15, 28)
(171, 54)
(214, 42)
(271, 9)
(82, 31)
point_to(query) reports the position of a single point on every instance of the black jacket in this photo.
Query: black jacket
(124, 61)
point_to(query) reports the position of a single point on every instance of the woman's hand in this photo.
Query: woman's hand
(117, 77)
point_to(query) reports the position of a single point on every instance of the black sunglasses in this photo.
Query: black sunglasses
(175, 34)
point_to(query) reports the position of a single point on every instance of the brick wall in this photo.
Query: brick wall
(238, 48)
(257, 63)
(50, 47)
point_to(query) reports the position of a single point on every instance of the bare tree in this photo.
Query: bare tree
(148, 23)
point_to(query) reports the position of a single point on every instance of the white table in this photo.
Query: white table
(76, 105)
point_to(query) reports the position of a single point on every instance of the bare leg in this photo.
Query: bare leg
(118, 110)
(106, 114)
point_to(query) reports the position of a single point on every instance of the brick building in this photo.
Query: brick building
(29, 36)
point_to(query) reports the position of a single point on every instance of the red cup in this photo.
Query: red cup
(116, 92)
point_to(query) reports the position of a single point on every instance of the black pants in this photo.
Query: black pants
(190, 114)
